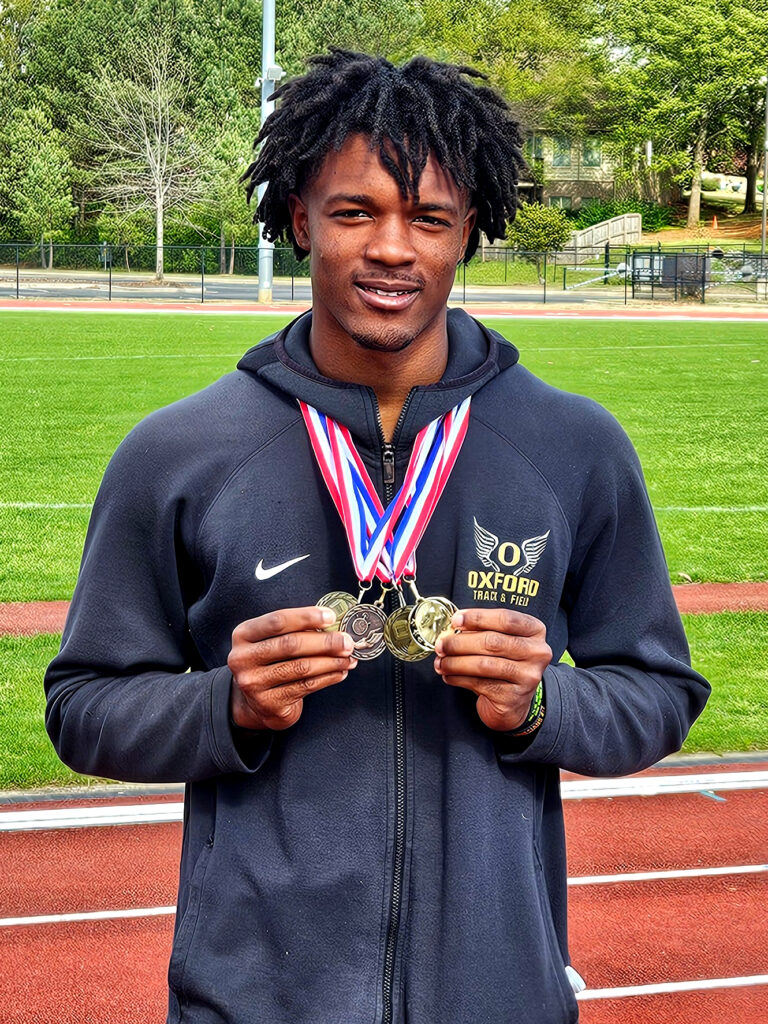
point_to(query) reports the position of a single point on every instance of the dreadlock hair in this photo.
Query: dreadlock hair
(407, 112)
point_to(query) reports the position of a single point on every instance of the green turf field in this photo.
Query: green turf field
(729, 649)
(693, 397)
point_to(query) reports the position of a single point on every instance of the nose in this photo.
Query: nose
(389, 243)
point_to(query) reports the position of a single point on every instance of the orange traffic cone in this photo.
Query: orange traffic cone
(714, 223)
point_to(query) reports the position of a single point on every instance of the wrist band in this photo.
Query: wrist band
(535, 715)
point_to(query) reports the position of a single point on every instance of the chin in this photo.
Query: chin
(383, 341)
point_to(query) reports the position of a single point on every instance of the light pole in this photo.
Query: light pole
(271, 73)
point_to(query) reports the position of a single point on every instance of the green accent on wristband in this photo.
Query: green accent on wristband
(535, 715)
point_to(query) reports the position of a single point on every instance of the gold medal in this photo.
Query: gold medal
(428, 618)
(339, 601)
(398, 638)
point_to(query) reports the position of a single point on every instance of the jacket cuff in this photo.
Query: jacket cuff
(235, 750)
(540, 745)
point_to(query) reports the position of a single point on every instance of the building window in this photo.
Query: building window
(536, 147)
(587, 201)
(563, 202)
(561, 151)
(591, 152)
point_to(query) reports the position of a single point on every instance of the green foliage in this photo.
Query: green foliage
(538, 228)
(654, 215)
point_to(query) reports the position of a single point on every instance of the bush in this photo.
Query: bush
(654, 216)
(539, 228)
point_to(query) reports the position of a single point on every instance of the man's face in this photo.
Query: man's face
(382, 266)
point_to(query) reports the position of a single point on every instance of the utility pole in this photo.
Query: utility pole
(271, 73)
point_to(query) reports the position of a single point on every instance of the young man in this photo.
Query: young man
(374, 839)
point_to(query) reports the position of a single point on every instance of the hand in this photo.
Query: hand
(278, 659)
(500, 655)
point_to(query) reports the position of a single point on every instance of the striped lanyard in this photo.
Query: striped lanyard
(382, 541)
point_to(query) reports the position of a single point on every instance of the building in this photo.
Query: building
(571, 172)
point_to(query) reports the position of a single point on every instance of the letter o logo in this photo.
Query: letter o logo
(514, 557)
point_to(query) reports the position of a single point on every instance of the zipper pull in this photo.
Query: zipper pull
(388, 462)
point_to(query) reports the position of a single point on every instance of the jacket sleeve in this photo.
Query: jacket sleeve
(127, 697)
(632, 696)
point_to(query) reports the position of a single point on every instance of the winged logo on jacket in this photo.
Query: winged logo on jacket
(531, 549)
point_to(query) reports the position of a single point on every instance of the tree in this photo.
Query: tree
(678, 70)
(140, 127)
(36, 179)
(539, 229)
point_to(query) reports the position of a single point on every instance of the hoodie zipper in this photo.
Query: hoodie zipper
(395, 902)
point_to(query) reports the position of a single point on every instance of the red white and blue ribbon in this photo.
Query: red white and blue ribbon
(382, 541)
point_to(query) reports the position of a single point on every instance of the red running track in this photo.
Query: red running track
(622, 933)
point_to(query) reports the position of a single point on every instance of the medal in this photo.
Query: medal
(383, 542)
(365, 624)
(339, 601)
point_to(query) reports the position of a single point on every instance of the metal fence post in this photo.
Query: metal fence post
(545, 279)
(464, 269)
(703, 279)
(202, 273)
(109, 257)
(17, 271)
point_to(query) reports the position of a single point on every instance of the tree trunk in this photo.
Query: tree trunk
(50, 253)
(232, 257)
(750, 203)
(222, 251)
(42, 252)
(159, 256)
(694, 204)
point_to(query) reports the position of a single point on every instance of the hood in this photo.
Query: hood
(476, 355)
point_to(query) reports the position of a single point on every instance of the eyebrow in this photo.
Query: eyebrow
(363, 200)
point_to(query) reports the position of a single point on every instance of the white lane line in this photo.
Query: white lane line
(91, 817)
(655, 785)
(577, 789)
(655, 876)
(109, 915)
(91, 915)
(672, 986)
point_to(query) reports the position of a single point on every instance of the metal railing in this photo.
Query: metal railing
(207, 273)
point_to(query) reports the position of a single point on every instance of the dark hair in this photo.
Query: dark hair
(409, 111)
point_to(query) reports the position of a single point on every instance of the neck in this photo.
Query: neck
(391, 375)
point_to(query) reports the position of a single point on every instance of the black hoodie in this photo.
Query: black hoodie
(388, 858)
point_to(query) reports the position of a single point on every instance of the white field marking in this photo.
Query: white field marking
(710, 508)
(658, 876)
(91, 915)
(119, 355)
(137, 814)
(109, 915)
(186, 310)
(657, 508)
(45, 504)
(655, 785)
(672, 986)
(529, 314)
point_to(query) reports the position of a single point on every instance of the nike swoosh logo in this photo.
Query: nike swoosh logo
(267, 574)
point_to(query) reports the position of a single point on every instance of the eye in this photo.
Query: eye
(433, 221)
(350, 214)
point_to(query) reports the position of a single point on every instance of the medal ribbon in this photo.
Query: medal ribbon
(382, 541)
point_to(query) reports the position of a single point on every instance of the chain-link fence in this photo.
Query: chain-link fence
(497, 274)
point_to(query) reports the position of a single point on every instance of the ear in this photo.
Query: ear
(299, 221)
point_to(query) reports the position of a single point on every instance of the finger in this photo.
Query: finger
(304, 687)
(284, 620)
(501, 620)
(516, 648)
(289, 646)
(298, 674)
(282, 714)
(481, 666)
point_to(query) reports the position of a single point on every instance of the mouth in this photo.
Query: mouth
(389, 296)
